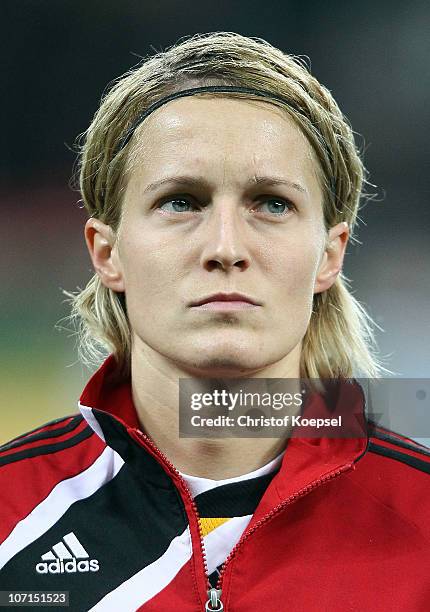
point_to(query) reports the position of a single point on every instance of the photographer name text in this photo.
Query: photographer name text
(264, 421)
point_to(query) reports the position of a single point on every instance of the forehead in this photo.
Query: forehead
(206, 132)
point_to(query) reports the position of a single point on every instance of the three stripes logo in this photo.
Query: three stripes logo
(67, 557)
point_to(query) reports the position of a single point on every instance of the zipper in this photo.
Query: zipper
(270, 515)
(214, 603)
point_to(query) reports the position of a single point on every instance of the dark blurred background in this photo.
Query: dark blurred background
(58, 58)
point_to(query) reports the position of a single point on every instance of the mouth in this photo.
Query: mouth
(225, 301)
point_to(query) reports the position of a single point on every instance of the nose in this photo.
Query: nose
(224, 245)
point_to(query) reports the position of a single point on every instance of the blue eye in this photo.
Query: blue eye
(178, 205)
(275, 206)
(278, 206)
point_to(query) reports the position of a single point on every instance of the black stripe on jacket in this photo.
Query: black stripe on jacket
(47, 449)
(413, 461)
(386, 437)
(28, 438)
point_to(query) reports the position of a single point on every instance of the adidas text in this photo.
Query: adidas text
(67, 567)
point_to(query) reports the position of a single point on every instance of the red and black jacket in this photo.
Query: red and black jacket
(89, 505)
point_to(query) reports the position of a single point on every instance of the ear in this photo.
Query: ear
(332, 260)
(101, 244)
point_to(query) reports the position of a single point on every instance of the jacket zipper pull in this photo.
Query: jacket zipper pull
(214, 603)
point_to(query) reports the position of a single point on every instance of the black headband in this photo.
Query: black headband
(195, 90)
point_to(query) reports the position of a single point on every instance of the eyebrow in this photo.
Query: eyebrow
(199, 181)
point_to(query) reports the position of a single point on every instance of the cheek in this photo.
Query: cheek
(295, 268)
(150, 267)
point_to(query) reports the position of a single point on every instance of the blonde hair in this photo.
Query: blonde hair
(339, 341)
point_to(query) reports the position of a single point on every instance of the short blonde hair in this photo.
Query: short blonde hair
(339, 341)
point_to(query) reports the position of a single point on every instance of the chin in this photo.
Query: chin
(224, 364)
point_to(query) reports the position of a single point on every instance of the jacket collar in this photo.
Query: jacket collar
(310, 456)
(101, 393)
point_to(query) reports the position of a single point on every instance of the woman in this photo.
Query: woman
(222, 183)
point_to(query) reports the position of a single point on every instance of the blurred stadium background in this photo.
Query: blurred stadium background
(57, 59)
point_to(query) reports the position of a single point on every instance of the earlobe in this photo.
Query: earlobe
(101, 244)
(333, 256)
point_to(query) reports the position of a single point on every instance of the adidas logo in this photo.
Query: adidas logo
(70, 557)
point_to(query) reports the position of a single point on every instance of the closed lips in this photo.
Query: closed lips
(225, 297)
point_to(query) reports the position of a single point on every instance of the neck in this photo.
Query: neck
(155, 389)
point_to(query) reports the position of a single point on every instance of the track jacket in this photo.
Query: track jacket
(89, 505)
